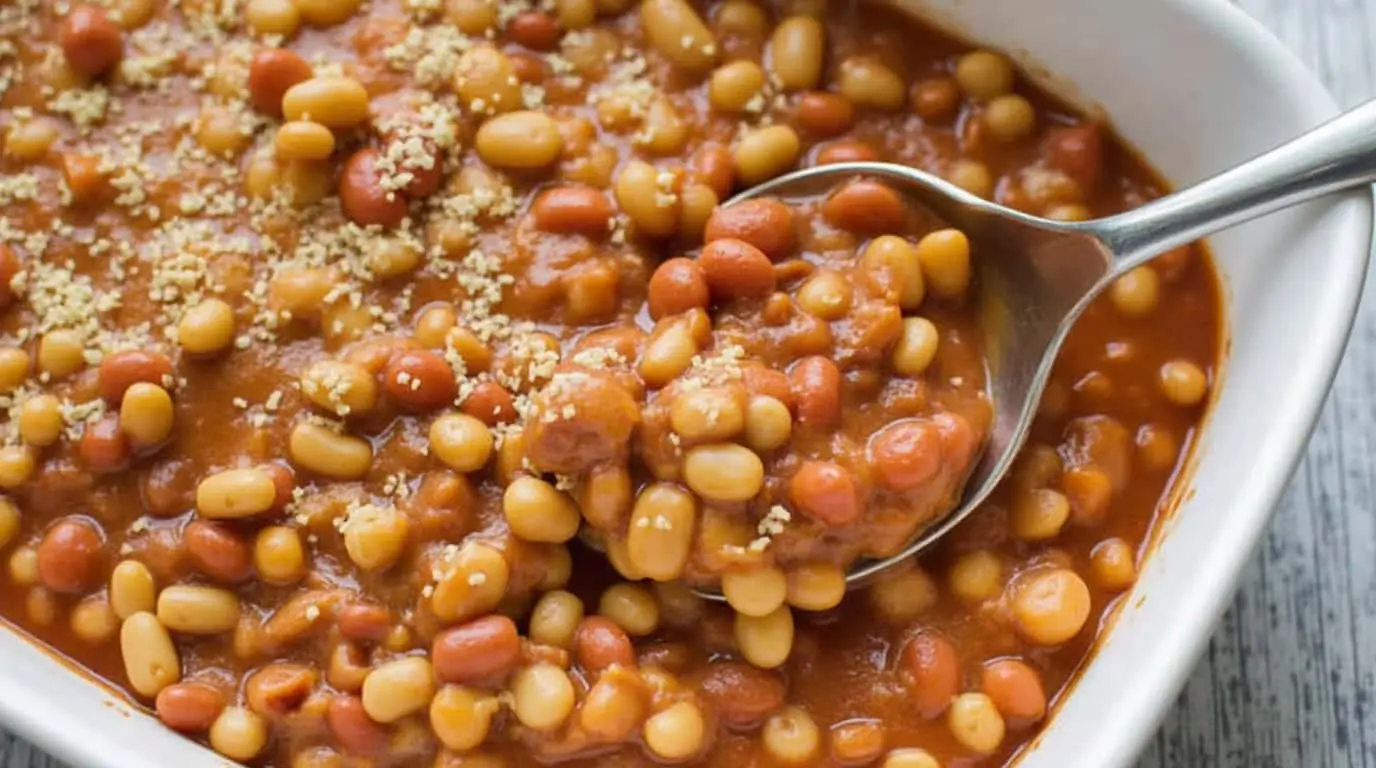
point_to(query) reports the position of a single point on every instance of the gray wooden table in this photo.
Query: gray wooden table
(1289, 680)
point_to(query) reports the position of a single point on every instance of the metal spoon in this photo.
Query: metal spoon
(1037, 276)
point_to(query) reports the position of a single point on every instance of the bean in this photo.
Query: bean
(279, 689)
(676, 286)
(150, 659)
(916, 347)
(973, 177)
(364, 623)
(1050, 605)
(61, 353)
(764, 153)
(742, 17)
(420, 380)
(572, 210)
(914, 757)
(816, 586)
(490, 403)
(461, 717)
(825, 114)
(462, 442)
(238, 734)
(905, 454)
(792, 737)
(796, 50)
(122, 370)
(868, 83)
(600, 643)
(374, 537)
(765, 223)
(40, 420)
(17, 463)
(485, 78)
(930, 669)
(765, 641)
(536, 511)
(1113, 564)
(742, 695)
(890, 263)
(755, 592)
(535, 30)
(15, 363)
(1183, 383)
(576, 14)
(90, 42)
(723, 472)
(734, 86)
(131, 589)
(362, 195)
(271, 73)
(984, 75)
(543, 697)
(325, 452)
(272, 17)
(327, 13)
(676, 733)
(524, 140)
(482, 652)
(647, 196)
(198, 610)
(71, 556)
(207, 328)
(866, 207)
(236, 493)
(1078, 151)
(735, 269)
(146, 415)
(352, 728)
(826, 295)
(189, 707)
(303, 140)
(10, 520)
(398, 688)
(632, 607)
(679, 34)
(279, 556)
(613, 708)
(555, 618)
(341, 388)
(1009, 118)
(217, 551)
(473, 582)
(826, 492)
(945, 259)
(975, 723)
(334, 102)
(936, 100)
(711, 165)
(1014, 688)
(845, 151)
(816, 385)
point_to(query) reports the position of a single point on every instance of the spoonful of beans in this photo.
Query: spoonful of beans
(1030, 278)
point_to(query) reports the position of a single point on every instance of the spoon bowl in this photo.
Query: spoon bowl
(1035, 277)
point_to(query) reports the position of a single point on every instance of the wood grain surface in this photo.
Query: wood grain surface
(1289, 680)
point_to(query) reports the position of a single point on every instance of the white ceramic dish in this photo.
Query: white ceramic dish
(1196, 85)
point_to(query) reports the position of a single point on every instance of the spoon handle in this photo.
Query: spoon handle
(1337, 155)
